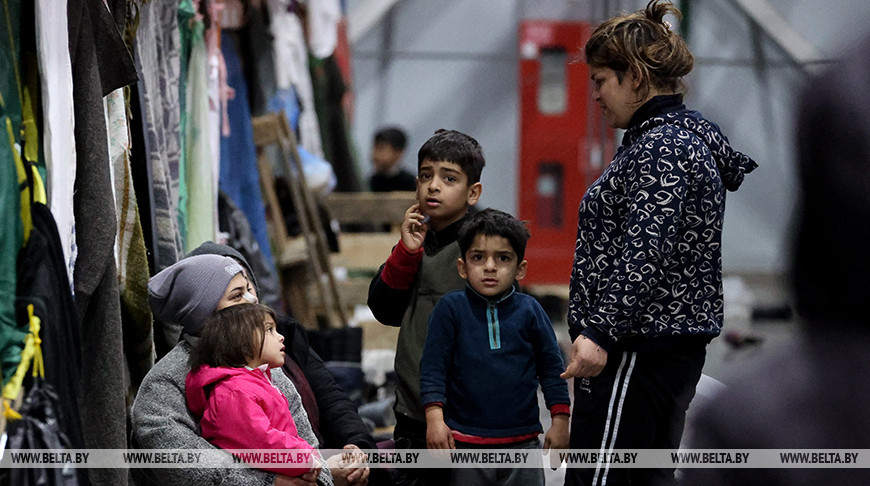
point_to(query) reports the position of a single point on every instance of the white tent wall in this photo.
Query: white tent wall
(453, 64)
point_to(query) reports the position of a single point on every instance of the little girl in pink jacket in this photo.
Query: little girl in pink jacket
(229, 388)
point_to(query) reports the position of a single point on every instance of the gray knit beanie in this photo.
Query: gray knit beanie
(188, 291)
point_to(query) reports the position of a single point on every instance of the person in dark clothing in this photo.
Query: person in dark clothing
(812, 392)
(388, 147)
(422, 268)
(646, 284)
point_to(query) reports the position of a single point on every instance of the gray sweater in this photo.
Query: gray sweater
(161, 420)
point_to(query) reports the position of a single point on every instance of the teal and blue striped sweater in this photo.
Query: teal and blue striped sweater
(484, 359)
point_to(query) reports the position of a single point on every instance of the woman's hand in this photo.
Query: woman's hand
(349, 469)
(587, 359)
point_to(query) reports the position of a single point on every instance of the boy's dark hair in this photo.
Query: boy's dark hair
(394, 136)
(492, 222)
(230, 335)
(456, 147)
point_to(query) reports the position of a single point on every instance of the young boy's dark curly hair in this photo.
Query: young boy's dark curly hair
(492, 222)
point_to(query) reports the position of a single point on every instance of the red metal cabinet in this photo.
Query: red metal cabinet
(564, 144)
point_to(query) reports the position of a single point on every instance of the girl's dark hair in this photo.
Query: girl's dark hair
(232, 336)
(642, 43)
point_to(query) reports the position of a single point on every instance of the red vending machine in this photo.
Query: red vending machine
(564, 143)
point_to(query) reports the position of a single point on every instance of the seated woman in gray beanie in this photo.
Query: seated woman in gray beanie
(186, 293)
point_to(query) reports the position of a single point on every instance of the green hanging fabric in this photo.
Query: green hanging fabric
(186, 19)
(10, 66)
(202, 203)
(11, 237)
(11, 225)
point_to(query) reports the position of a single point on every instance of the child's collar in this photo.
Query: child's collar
(435, 240)
(493, 300)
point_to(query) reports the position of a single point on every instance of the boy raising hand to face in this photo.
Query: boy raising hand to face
(422, 268)
(444, 194)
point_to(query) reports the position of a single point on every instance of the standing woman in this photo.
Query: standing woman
(646, 284)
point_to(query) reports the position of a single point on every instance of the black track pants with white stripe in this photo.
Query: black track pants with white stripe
(639, 401)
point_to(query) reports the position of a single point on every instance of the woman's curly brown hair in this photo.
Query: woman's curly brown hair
(643, 44)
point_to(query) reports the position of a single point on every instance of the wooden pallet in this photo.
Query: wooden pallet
(362, 253)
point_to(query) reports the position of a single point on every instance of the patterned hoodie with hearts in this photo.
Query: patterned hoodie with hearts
(648, 260)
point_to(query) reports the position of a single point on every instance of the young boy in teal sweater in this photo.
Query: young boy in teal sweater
(487, 350)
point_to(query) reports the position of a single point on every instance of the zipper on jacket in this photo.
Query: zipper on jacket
(492, 324)
(492, 315)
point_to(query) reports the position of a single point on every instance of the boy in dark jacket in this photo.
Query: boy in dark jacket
(489, 344)
(388, 147)
(421, 269)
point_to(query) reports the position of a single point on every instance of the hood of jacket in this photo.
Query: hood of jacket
(200, 380)
(733, 165)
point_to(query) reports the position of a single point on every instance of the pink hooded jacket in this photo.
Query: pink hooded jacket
(239, 408)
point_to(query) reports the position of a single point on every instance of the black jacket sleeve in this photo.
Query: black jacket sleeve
(387, 304)
(340, 423)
